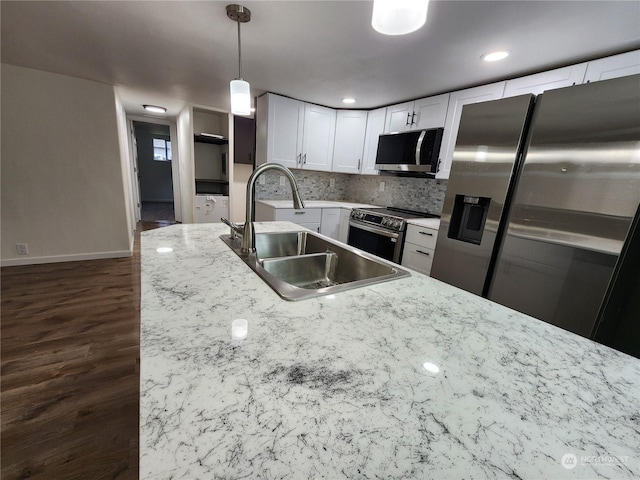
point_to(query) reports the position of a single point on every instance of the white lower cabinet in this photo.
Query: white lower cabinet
(419, 245)
(330, 223)
(343, 232)
(322, 220)
(306, 217)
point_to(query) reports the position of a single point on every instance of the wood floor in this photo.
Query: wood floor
(70, 369)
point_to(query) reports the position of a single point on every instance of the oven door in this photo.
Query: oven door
(378, 241)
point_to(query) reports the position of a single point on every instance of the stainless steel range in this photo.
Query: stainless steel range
(380, 231)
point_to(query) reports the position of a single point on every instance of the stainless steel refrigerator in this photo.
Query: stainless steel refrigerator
(540, 199)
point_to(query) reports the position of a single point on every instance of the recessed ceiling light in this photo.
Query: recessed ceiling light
(154, 109)
(495, 56)
(348, 100)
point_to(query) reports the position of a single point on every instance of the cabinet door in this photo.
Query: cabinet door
(417, 258)
(430, 112)
(343, 232)
(284, 132)
(399, 117)
(318, 137)
(330, 224)
(311, 226)
(458, 100)
(613, 67)
(375, 126)
(301, 216)
(538, 83)
(244, 136)
(349, 142)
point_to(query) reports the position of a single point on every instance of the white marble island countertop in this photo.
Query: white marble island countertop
(337, 387)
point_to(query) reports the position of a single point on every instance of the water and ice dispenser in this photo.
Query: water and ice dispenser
(468, 218)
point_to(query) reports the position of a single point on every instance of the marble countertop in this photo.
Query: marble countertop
(345, 386)
(317, 204)
(425, 222)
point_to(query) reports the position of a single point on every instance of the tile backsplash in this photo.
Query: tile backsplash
(422, 194)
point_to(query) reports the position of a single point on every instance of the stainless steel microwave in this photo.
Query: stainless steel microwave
(413, 151)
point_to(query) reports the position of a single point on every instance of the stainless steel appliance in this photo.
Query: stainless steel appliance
(414, 151)
(381, 230)
(540, 199)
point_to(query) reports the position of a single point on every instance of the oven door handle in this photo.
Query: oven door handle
(379, 231)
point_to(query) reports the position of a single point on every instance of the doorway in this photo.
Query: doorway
(155, 179)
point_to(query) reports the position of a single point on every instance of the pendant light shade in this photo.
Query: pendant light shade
(238, 88)
(240, 97)
(399, 17)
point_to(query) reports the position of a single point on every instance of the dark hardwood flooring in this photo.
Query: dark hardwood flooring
(70, 369)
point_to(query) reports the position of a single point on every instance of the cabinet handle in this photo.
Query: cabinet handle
(423, 253)
(304, 159)
(358, 164)
(407, 122)
(427, 233)
(412, 117)
(299, 212)
(299, 160)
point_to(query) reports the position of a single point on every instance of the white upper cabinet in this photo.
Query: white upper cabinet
(375, 126)
(613, 67)
(539, 82)
(280, 122)
(351, 126)
(427, 112)
(294, 133)
(399, 117)
(318, 137)
(430, 112)
(458, 100)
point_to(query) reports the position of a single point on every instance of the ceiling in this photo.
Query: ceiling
(174, 52)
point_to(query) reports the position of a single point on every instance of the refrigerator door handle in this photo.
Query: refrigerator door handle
(419, 146)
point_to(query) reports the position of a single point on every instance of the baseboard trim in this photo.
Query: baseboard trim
(65, 258)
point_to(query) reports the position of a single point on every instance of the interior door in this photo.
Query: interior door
(136, 171)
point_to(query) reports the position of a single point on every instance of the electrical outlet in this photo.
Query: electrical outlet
(332, 183)
(382, 186)
(262, 180)
(22, 249)
(282, 180)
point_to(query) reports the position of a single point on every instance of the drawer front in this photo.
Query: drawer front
(425, 237)
(305, 215)
(417, 258)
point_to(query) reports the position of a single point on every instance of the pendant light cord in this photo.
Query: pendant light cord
(239, 52)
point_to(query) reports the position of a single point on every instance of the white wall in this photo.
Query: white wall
(185, 165)
(62, 181)
(128, 175)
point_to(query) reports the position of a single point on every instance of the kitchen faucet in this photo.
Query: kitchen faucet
(247, 231)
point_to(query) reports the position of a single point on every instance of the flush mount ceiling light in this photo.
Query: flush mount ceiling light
(495, 56)
(348, 100)
(399, 17)
(154, 109)
(239, 89)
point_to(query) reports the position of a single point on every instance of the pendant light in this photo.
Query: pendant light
(399, 17)
(239, 89)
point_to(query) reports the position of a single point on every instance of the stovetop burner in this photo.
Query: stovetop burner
(400, 212)
(390, 218)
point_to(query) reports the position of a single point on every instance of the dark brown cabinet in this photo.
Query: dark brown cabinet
(244, 139)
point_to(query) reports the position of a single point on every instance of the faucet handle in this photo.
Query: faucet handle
(236, 229)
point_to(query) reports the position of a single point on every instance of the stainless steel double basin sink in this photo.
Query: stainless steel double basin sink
(300, 265)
